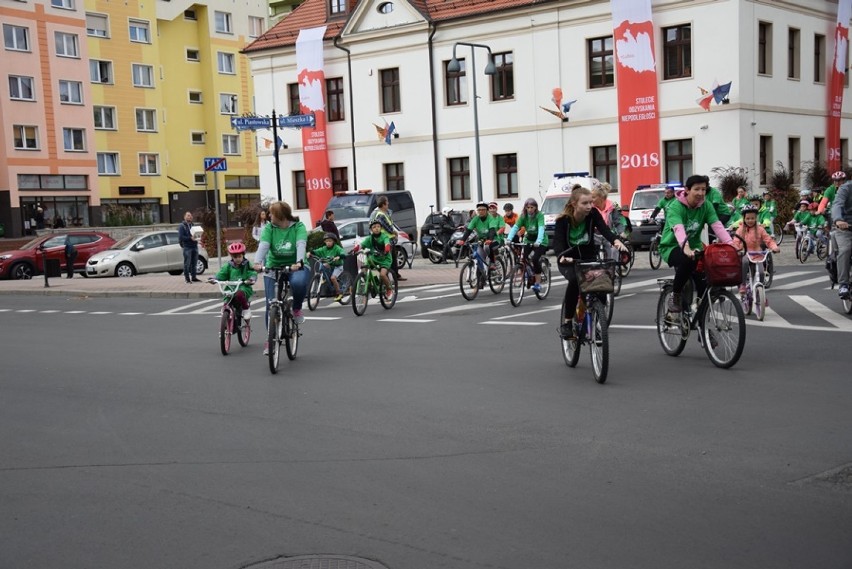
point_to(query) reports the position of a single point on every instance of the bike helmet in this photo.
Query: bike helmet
(839, 175)
(237, 248)
(375, 222)
(803, 203)
(493, 205)
(804, 192)
(331, 236)
(748, 208)
(447, 210)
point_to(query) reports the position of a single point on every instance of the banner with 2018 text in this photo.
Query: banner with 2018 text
(836, 81)
(310, 64)
(638, 121)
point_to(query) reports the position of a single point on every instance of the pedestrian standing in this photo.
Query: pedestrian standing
(189, 244)
(328, 225)
(70, 257)
(382, 214)
(257, 229)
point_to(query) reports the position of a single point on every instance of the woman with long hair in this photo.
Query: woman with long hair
(260, 223)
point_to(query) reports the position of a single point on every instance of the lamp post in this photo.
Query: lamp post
(454, 67)
(275, 146)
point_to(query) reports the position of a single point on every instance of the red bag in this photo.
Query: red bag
(722, 265)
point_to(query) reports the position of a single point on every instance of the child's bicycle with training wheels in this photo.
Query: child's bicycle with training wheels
(718, 318)
(522, 276)
(754, 295)
(282, 326)
(589, 324)
(477, 271)
(231, 319)
(369, 284)
(321, 287)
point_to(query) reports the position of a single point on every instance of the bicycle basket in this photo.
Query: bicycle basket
(596, 277)
(722, 265)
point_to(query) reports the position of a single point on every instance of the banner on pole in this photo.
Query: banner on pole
(836, 81)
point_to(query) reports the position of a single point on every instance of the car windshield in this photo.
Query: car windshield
(554, 205)
(647, 200)
(123, 243)
(350, 207)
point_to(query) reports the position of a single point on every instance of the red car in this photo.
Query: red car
(28, 261)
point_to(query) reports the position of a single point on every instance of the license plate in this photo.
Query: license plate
(433, 232)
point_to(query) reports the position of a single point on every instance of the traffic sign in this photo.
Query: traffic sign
(215, 164)
(296, 121)
(250, 123)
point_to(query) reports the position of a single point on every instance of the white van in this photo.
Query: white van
(642, 204)
(557, 196)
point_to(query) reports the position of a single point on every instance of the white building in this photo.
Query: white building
(387, 61)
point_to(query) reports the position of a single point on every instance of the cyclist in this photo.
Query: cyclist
(239, 269)
(723, 210)
(610, 212)
(332, 253)
(816, 225)
(379, 248)
(768, 211)
(510, 218)
(830, 192)
(535, 239)
(841, 213)
(283, 242)
(485, 231)
(497, 221)
(574, 240)
(755, 237)
(685, 219)
(665, 201)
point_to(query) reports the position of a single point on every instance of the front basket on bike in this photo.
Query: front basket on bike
(722, 265)
(596, 277)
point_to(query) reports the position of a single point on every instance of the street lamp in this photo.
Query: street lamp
(454, 67)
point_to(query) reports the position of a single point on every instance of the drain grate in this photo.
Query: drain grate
(318, 562)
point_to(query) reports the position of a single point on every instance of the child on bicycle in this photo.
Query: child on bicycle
(535, 239)
(816, 225)
(755, 237)
(239, 269)
(378, 248)
(332, 254)
(800, 218)
(768, 211)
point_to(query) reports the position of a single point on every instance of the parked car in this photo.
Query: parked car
(28, 261)
(353, 231)
(151, 252)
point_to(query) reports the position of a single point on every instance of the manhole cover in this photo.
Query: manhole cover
(318, 562)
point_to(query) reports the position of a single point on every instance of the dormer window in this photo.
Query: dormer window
(336, 7)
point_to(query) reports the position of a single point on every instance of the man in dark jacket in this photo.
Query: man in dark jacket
(189, 244)
(841, 215)
(328, 225)
(70, 257)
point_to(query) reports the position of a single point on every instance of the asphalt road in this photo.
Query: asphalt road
(450, 436)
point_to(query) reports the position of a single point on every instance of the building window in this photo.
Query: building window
(819, 58)
(339, 180)
(190, 15)
(765, 151)
(677, 52)
(195, 97)
(301, 189)
(223, 22)
(97, 25)
(506, 170)
(503, 82)
(146, 120)
(764, 48)
(66, 44)
(794, 158)
(225, 62)
(227, 103)
(192, 55)
(143, 75)
(199, 178)
(456, 84)
(336, 7)
(70, 92)
(108, 163)
(197, 137)
(601, 62)
(104, 118)
(678, 160)
(230, 144)
(605, 164)
(793, 63)
(100, 71)
(293, 98)
(819, 149)
(26, 137)
(66, 4)
(149, 164)
(140, 31)
(390, 90)
(459, 178)
(394, 177)
(16, 38)
(335, 102)
(256, 26)
(74, 139)
(21, 88)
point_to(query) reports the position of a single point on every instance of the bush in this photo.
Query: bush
(315, 240)
(729, 178)
(784, 192)
(207, 218)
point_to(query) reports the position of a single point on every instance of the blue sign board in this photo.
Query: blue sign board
(296, 121)
(250, 123)
(215, 164)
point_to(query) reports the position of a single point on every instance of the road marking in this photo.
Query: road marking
(462, 308)
(640, 284)
(779, 276)
(74, 312)
(424, 287)
(522, 314)
(179, 308)
(26, 310)
(772, 315)
(634, 326)
(99, 313)
(130, 313)
(414, 320)
(322, 317)
(514, 323)
(800, 284)
(818, 309)
(47, 311)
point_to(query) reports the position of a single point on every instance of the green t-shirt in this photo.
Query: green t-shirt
(377, 245)
(579, 234)
(335, 251)
(815, 221)
(693, 221)
(768, 212)
(829, 194)
(282, 243)
(481, 226)
(497, 224)
(531, 225)
(802, 217)
(714, 196)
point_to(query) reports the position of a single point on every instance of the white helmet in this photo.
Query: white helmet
(804, 192)
(447, 210)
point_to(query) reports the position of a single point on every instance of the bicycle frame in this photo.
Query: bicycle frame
(229, 314)
(282, 326)
(755, 293)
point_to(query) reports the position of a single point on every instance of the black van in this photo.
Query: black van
(361, 204)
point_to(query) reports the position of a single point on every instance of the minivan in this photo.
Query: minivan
(349, 205)
(557, 196)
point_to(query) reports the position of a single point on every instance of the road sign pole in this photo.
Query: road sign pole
(218, 223)
(277, 162)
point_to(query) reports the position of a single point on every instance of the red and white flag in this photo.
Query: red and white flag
(836, 81)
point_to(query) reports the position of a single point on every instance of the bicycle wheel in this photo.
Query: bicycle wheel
(273, 338)
(545, 280)
(723, 329)
(746, 300)
(609, 302)
(360, 295)
(570, 346)
(654, 254)
(225, 331)
(778, 233)
(804, 250)
(599, 343)
(626, 260)
(768, 271)
(497, 276)
(516, 285)
(847, 305)
(389, 301)
(291, 336)
(244, 333)
(314, 292)
(344, 281)
(617, 284)
(822, 250)
(469, 281)
(759, 301)
(670, 326)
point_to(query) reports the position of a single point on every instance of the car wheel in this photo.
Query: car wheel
(125, 269)
(21, 271)
(201, 266)
(401, 257)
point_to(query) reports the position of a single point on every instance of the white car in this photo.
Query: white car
(153, 252)
(354, 231)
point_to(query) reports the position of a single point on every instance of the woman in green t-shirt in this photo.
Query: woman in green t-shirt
(535, 239)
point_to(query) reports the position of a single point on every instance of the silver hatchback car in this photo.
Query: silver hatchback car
(152, 252)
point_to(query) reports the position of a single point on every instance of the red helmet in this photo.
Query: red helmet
(237, 248)
(839, 175)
